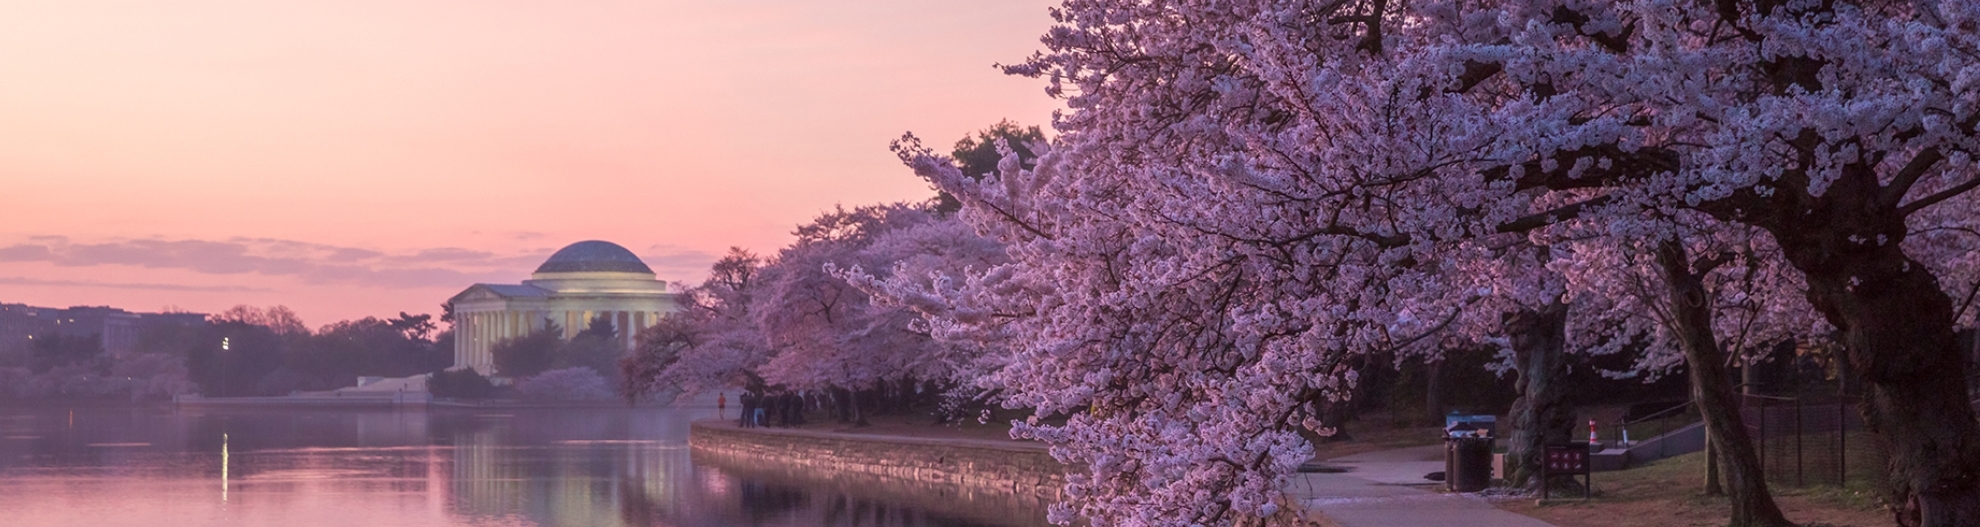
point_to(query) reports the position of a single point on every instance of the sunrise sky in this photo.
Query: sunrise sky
(357, 157)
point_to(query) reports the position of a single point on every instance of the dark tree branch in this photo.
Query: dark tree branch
(1968, 302)
(1552, 216)
(1623, 165)
(1706, 265)
(1909, 175)
(1615, 43)
(1476, 73)
(1934, 199)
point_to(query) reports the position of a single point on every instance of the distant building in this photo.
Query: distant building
(117, 327)
(586, 280)
(21, 323)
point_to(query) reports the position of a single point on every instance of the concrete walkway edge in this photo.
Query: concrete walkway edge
(1387, 489)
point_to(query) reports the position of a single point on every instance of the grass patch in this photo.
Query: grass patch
(1378, 431)
(1671, 492)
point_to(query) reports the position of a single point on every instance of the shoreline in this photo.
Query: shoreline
(404, 402)
(964, 466)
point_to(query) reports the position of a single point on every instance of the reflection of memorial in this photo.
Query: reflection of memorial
(500, 472)
(484, 482)
(605, 467)
(521, 466)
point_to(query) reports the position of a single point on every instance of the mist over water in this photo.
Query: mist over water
(156, 466)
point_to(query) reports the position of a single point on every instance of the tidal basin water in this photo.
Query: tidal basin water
(158, 466)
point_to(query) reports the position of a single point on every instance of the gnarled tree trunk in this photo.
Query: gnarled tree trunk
(1540, 415)
(1691, 313)
(1898, 337)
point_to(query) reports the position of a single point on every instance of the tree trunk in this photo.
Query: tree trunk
(1433, 400)
(1691, 313)
(842, 405)
(1540, 415)
(1898, 337)
(859, 416)
(1712, 487)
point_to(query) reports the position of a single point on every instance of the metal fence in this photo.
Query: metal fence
(1809, 441)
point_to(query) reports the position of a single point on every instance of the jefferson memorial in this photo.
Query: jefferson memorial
(586, 280)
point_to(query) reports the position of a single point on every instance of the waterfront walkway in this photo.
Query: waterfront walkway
(1375, 489)
(1387, 489)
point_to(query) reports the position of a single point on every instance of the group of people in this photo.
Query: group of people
(759, 410)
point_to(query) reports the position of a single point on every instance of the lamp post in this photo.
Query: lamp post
(226, 366)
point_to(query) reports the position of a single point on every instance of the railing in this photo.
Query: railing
(1973, 389)
(1656, 424)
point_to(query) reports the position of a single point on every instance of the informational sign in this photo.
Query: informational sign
(1566, 460)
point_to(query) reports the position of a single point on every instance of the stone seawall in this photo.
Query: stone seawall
(945, 466)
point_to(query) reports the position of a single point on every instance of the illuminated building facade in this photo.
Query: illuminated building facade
(581, 282)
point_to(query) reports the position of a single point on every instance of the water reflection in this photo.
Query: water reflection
(605, 467)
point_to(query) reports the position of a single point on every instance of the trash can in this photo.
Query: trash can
(1468, 463)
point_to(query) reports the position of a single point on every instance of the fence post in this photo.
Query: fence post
(1842, 443)
(1842, 421)
(1763, 436)
(1798, 433)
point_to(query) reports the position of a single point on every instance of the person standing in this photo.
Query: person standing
(722, 405)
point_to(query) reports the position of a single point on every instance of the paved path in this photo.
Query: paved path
(1374, 491)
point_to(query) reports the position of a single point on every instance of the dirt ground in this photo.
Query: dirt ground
(1671, 493)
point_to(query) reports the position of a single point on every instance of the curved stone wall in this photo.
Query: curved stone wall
(959, 466)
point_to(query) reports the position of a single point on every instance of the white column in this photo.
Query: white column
(460, 340)
(465, 337)
(473, 337)
(623, 321)
(480, 341)
(487, 344)
(639, 324)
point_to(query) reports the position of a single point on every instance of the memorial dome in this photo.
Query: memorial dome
(594, 256)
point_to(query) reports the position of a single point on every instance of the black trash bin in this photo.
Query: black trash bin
(1468, 463)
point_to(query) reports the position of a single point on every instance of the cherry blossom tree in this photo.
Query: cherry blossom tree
(1695, 299)
(827, 332)
(575, 383)
(1287, 183)
(1189, 362)
(798, 322)
(710, 345)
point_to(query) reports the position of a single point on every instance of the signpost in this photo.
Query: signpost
(1566, 460)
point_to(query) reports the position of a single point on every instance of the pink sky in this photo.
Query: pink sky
(358, 157)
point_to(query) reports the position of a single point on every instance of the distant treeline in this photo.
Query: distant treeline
(243, 351)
